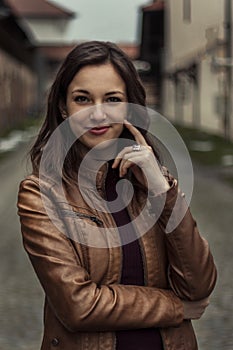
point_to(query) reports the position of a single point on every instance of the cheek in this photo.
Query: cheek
(79, 118)
(76, 126)
(76, 111)
(119, 129)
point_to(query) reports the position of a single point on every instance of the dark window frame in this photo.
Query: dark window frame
(187, 11)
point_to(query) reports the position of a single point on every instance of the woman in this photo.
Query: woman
(138, 293)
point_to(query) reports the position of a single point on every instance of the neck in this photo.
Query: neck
(99, 154)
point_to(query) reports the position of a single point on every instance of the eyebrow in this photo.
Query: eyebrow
(80, 90)
(107, 94)
(114, 93)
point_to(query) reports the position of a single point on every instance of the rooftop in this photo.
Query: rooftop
(56, 52)
(38, 9)
(156, 6)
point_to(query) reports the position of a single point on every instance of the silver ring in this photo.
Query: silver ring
(136, 148)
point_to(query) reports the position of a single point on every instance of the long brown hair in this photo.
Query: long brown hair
(88, 53)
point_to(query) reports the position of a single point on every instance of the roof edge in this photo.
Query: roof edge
(155, 6)
(66, 11)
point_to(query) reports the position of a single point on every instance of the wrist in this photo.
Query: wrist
(161, 188)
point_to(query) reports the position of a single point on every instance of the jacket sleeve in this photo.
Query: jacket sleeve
(78, 302)
(192, 272)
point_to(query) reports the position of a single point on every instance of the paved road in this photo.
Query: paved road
(20, 293)
(212, 205)
(21, 296)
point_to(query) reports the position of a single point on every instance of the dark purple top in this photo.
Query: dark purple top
(132, 273)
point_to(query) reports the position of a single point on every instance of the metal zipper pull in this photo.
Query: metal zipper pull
(92, 218)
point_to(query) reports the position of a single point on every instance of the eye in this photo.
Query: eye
(81, 99)
(113, 99)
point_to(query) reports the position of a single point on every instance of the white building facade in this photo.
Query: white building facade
(195, 76)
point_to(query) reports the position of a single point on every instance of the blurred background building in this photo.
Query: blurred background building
(152, 48)
(17, 70)
(189, 46)
(183, 54)
(34, 40)
(46, 25)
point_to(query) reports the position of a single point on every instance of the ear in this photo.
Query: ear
(63, 110)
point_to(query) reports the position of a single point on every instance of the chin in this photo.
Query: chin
(105, 144)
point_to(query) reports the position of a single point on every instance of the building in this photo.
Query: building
(151, 50)
(18, 82)
(193, 84)
(48, 24)
(195, 87)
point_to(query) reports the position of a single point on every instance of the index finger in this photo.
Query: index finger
(136, 133)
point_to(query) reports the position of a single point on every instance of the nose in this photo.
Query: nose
(98, 114)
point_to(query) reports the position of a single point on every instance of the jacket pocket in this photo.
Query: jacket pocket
(85, 227)
(81, 214)
(94, 219)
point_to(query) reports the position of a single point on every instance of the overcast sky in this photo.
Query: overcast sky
(115, 20)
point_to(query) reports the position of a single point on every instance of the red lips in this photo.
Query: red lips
(99, 130)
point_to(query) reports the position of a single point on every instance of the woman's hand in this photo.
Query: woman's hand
(193, 310)
(143, 163)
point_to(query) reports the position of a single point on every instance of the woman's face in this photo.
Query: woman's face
(92, 103)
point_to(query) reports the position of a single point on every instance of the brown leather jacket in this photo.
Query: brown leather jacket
(84, 301)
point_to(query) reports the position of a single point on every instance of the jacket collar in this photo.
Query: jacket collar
(93, 174)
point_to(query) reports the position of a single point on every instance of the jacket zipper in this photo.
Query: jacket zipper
(91, 217)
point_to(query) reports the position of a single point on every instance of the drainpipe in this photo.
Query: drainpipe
(228, 39)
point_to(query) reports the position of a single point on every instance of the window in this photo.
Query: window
(187, 10)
